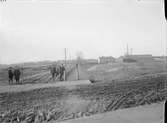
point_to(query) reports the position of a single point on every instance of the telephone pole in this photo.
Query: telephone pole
(65, 56)
(127, 50)
(77, 65)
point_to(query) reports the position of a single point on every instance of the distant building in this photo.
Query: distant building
(81, 61)
(91, 61)
(106, 59)
(160, 58)
(136, 58)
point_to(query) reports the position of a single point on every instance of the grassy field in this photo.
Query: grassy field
(119, 86)
(122, 71)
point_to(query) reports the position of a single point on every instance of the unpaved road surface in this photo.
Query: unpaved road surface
(27, 87)
(78, 73)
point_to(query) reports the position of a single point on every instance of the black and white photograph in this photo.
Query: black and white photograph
(83, 61)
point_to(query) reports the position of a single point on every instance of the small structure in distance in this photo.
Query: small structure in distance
(136, 58)
(106, 59)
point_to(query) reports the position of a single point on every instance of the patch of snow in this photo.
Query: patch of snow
(92, 68)
(113, 69)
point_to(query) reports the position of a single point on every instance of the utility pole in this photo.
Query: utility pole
(65, 54)
(127, 50)
(77, 65)
(22, 74)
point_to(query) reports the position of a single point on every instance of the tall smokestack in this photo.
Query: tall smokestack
(127, 50)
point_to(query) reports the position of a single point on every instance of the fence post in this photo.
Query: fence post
(77, 71)
(22, 75)
(65, 75)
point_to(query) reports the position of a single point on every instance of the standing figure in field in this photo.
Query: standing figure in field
(17, 74)
(57, 72)
(62, 70)
(10, 75)
(53, 72)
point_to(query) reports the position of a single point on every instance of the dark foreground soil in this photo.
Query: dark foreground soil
(60, 103)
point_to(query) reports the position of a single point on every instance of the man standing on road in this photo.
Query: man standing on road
(62, 70)
(17, 75)
(10, 74)
(53, 71)
(77, 71)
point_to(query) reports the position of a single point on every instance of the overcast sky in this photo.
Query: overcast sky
(34, 30)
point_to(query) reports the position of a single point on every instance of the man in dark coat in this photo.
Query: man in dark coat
(57, 70)
(10, 75)
(17, 75)
(62, 69)
(53, 72)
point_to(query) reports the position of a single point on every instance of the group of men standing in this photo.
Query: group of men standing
(14, 74)
(57, 71)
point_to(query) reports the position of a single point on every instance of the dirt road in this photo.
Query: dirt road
(78, 74)
(27, 87)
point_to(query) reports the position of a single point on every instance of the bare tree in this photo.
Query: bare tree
(79, 57)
